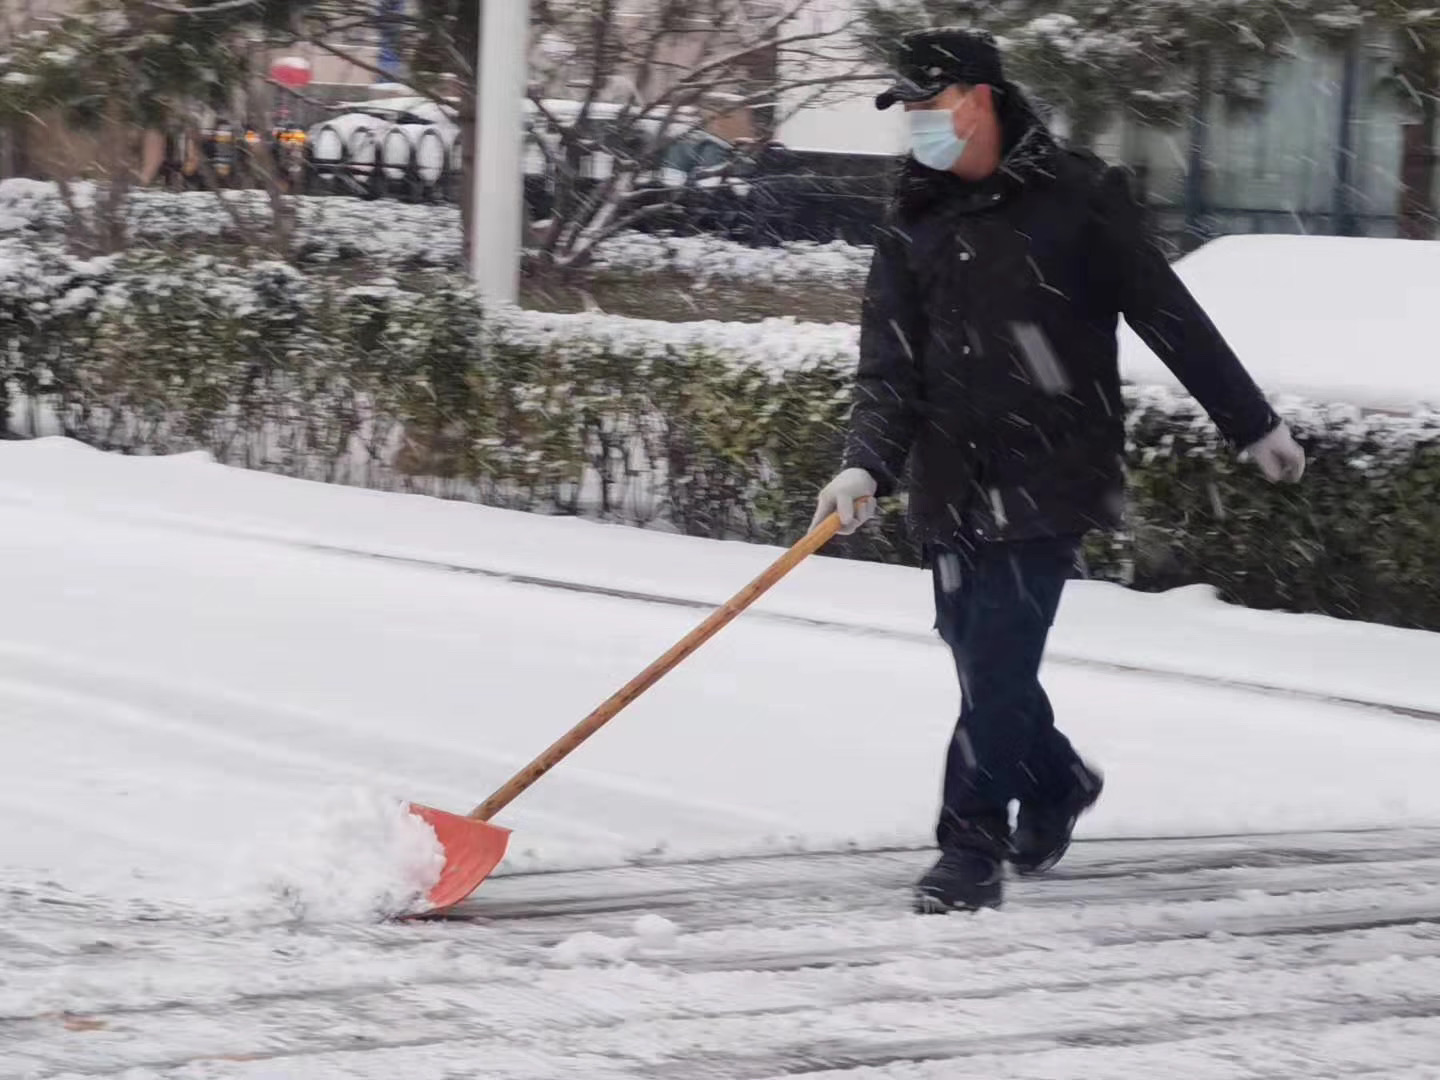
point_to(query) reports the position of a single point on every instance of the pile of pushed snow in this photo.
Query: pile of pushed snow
(357, 857)
(651, 935)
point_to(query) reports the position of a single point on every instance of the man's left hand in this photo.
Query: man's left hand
(1279, 456)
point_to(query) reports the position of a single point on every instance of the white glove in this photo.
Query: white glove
(842, 495)
(1279, 456)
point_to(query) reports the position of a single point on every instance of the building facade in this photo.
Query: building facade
(1319, 151)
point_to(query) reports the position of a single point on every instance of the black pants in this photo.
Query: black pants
(994, 605)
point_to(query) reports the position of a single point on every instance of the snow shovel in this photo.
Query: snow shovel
(474, 847)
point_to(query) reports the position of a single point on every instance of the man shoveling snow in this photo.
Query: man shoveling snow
(988, 364)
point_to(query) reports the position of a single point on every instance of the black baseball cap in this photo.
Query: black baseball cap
(925, 62)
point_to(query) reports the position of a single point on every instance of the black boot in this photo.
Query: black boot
(962, 880)
(1042, 833)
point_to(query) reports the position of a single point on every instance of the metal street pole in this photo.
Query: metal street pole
(1342, 213)
(498, 195)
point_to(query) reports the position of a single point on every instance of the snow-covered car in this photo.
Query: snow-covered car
(410, 147)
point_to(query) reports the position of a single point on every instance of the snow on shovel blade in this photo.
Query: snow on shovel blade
(472, 849)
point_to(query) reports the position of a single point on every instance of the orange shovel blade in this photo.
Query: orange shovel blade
(472, 849)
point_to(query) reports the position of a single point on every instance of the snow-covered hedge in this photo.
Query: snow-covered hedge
(706, 257)
(402, 234)
(326, 227)
(715, 429)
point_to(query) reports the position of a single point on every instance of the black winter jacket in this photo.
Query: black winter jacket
(988, 352)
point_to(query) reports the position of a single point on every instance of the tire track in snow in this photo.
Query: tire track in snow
(535, 1013)
(1126, 970)
(591, 893)
(749, 1049)
(1111, 963)
(877, 883)
(841, 1057)
(797, 891)
(551, 927)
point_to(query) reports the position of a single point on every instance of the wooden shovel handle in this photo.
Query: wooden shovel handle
(818, 538)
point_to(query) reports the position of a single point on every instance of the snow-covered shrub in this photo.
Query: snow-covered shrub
(707, 257)
(49, 315)
(329, 229)
(715, 429)
(1360, 537)
(326, 228)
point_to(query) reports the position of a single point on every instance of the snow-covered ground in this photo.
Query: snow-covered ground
(1223, 959)
(212, 680)
(1331, 318)
(194, 651)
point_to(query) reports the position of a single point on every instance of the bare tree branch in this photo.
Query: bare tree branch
(635, 88)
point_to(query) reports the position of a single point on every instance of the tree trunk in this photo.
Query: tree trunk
(1342, 214)
(467, 43)
(1420, 69)
(1197, 228)
(1085, 127)
(10, 135)
(117, 162)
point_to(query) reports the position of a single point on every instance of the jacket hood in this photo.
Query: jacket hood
(1029, 151)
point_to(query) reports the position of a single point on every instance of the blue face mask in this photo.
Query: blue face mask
(933, 141)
